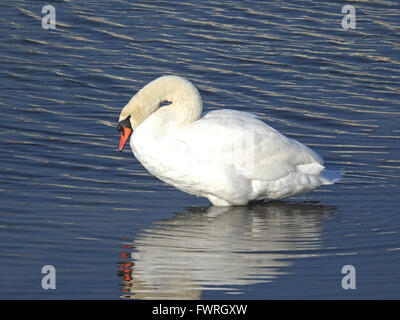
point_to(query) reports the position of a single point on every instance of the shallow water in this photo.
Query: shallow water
(111, 230)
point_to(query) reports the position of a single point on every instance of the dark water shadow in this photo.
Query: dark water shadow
(219, 248)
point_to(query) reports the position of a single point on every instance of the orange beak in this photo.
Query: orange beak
(125, 134)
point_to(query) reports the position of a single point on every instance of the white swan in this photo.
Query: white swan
(227, 156)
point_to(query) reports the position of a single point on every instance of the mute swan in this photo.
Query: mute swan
(227, 156)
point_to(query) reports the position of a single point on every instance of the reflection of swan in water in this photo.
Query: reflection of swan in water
(220, 247)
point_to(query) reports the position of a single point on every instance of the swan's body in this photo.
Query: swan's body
(227, 156)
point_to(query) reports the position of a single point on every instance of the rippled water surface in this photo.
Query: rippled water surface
(111, 230)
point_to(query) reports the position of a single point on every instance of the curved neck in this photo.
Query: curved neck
(186, 105)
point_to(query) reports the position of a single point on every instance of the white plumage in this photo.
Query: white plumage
(227, 156)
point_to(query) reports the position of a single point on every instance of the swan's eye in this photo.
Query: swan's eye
(124, 123)
(164, 103)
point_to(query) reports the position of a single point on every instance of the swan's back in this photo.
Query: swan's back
(257, 151)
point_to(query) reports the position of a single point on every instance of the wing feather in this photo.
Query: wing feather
(256, 150)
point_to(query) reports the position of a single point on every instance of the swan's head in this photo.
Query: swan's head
(181, 93)
(131, 116)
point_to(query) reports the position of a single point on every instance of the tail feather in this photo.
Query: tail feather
(331, 176)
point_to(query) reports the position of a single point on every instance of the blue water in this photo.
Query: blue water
(113, 231)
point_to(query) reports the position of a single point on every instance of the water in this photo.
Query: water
(112, 231)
